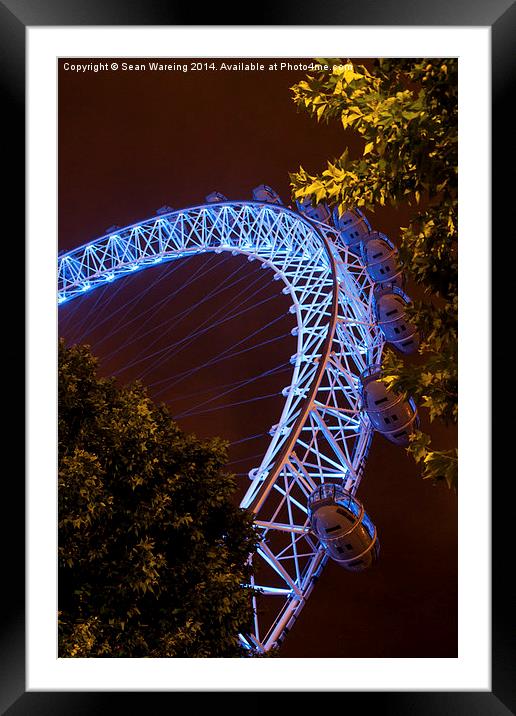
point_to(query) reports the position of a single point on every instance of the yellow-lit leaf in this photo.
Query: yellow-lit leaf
(320, 194)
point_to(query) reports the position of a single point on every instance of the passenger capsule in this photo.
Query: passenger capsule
(380, 257)
(215, 197)
(339, 521)
(389, 307)
(352, 226)
(390, 414)
(111, 229)
(320, 212)
(165, 209)
(265, 193)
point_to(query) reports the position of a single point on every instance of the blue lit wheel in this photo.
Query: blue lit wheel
(322, 435)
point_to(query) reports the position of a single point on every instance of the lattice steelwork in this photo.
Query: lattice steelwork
(322, 434)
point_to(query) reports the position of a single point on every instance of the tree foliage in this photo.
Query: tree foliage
(405, 111)
(152, 552)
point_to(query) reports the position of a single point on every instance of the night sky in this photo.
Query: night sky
(210, 335)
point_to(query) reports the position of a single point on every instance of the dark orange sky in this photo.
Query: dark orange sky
(130, 142)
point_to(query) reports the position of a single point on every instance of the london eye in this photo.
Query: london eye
(345, 284)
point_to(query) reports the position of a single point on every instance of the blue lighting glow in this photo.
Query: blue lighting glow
(323, 436)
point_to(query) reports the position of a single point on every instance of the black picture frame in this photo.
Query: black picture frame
(15, 17)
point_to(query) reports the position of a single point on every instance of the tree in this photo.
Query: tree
(153, 555)
(405, 111)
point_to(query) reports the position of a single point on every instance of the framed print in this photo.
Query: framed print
(91, 85)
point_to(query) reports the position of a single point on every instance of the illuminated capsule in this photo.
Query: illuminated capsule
(389, 308)
(389, 413)
(320, 212)
(352, 226)
(215, 197)
(111, 229)
(165, 209)
(265, 193)
(339, 521)
(380, 257)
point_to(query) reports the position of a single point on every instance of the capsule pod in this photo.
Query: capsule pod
(266, 193)
(165, 209)
(390, 414)
(380, 257)
(339, 521)
(389, 308)
(352, 226)
(320, 212)
(111, 229)
(215, 197)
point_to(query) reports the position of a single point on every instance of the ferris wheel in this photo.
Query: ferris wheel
(345, 284)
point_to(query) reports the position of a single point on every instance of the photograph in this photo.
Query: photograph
(259, 346)
(257, 306)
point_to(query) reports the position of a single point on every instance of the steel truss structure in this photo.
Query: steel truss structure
(322, 433)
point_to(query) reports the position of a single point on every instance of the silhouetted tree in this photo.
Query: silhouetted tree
(152, 551)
